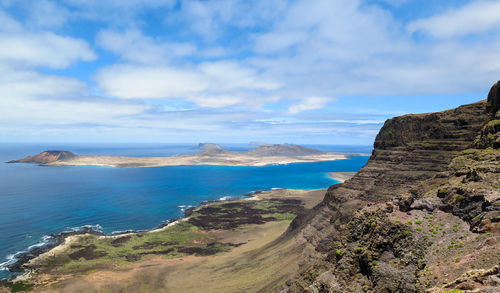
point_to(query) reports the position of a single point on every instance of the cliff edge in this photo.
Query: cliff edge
(423, 215)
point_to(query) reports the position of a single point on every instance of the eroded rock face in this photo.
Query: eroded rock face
(494, 97)
(47, 157)
(420, 169)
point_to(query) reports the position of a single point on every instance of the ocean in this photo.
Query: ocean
(37, 201)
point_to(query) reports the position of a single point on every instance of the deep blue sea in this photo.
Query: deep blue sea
(36, 201)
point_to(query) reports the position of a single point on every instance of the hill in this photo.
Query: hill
(47, 157)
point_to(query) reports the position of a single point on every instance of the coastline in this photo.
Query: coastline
(234, 160)
(28, 260)
(211, 154)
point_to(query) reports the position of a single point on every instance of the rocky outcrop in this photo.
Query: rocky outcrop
(209, 149)
(422, 190)
(47, 157)
(494, 98)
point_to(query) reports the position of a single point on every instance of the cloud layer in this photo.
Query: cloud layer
(231, 70)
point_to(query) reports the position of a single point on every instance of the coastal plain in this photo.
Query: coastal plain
(225, 246)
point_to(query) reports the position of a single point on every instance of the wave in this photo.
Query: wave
(227, 197)
(96, 227)
(184, 207)
(14, 262)
(13, 259)
(10, 260)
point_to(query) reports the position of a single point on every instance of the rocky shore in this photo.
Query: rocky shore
(80, 251)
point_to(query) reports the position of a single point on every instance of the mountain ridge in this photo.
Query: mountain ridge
(439, 170)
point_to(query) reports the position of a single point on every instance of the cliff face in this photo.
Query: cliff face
(424, 210)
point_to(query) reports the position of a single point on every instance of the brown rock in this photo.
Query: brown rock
(494, 97)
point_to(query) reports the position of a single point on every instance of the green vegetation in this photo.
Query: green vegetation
(419, 228)
(443, 192)
(19, 287)
(375, 262)
(459, 197)
(338, 252)
(418, 222)
(92, 252)
(406, 232)
(191, 237)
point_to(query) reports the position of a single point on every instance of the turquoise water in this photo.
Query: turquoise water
(36, 201)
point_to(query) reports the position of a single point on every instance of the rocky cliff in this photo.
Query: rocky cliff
(423, 214)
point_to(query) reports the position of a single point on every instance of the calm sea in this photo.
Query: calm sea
(36, 201)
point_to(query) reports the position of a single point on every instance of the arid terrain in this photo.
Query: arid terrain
(221, 247)
(211, 154)
(423, 215)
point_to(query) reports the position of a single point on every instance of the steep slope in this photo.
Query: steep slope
(424, 210)
(47, 157)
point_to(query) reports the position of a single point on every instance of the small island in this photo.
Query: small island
(211, 154)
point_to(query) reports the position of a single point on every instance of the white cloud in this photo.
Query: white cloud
(7, 23)
(44, 13)
(278, 41)
(31, 98)
(120, 3)
(475, 17)
(220, 101)
(310, 103)
(129, 81)
(227, 75)
(211, 84)
(19, 84)
(213, 19)
(254, 59)
(43, 49)
(133, 46)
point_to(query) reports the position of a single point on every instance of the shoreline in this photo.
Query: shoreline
(211, 154)
(229, 161)
(61, 241)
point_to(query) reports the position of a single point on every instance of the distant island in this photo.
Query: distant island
(211, 154)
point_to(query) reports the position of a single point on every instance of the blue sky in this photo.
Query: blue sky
(310, 71)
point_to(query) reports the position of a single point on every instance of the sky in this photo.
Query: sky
(236, 71)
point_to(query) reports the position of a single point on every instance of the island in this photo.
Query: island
(210, 154)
